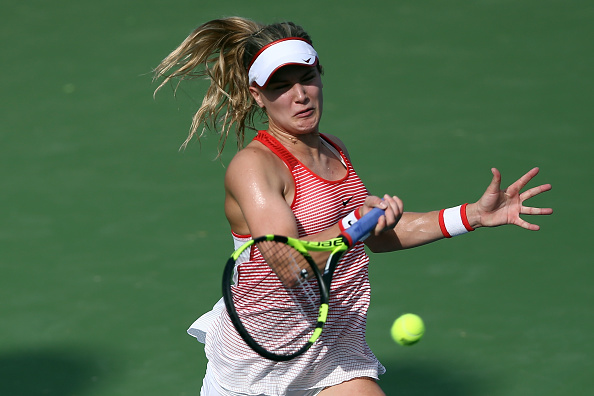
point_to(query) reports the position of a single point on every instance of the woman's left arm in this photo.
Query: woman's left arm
(495, 207)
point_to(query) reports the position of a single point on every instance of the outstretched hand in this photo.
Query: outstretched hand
(498, 207)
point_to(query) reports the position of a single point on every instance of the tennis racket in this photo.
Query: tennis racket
(279, 308)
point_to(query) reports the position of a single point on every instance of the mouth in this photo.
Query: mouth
(305, 113)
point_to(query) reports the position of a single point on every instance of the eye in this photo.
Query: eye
(309, 76)
(281, 85)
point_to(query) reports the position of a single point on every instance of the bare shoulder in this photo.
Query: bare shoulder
(253, 164)
(339, 143)
(256, 185)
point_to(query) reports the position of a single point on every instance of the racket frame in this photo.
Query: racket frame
(336, 246)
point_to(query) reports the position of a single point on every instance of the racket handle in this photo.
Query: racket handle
(361, 229)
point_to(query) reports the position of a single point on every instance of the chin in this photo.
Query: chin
(308, 127)
(307, 130)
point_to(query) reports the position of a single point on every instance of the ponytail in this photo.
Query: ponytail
(220, 51)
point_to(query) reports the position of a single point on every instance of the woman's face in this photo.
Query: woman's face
(292, 99)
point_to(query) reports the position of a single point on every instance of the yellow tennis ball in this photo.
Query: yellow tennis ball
(408, 329)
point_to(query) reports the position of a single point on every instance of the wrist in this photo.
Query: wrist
(349, 219)
(454, 221)
(473, 216)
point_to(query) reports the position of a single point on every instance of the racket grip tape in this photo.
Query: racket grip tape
(361, 229)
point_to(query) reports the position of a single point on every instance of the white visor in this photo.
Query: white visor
(290, 51)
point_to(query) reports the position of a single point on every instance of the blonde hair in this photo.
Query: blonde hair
(221, 51)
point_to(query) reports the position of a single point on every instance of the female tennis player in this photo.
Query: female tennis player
(293, 180)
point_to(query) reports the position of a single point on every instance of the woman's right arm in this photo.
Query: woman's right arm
(258, 193)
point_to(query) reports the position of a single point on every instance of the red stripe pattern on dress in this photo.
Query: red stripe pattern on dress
(341, 353)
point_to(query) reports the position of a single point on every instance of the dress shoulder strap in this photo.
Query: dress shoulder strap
(274, 145)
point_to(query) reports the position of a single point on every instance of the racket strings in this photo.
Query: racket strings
(291, 267)
(278, 308)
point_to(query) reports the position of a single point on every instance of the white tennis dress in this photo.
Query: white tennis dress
(341, 353)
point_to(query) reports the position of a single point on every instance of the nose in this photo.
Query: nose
(299, 93)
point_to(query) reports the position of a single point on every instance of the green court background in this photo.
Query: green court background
(112, 242)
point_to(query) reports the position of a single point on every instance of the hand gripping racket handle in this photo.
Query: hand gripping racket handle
(361, 229)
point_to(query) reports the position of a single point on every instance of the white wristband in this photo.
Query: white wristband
(349, 220)
(453, 221)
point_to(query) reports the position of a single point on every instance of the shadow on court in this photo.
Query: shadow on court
(51, 372)
(431, 378)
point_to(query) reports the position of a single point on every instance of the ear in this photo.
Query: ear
(257, 95)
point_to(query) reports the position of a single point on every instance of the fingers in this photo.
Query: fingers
(529, 226)
(386, 203)
(393, 211)
(526, 210)
(391, 216)
(519, 184)
(393, 207)
(534, 191)
(495, 184)
(394, 203)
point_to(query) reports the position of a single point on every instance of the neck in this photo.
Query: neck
(299, 142)
(310, 151)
